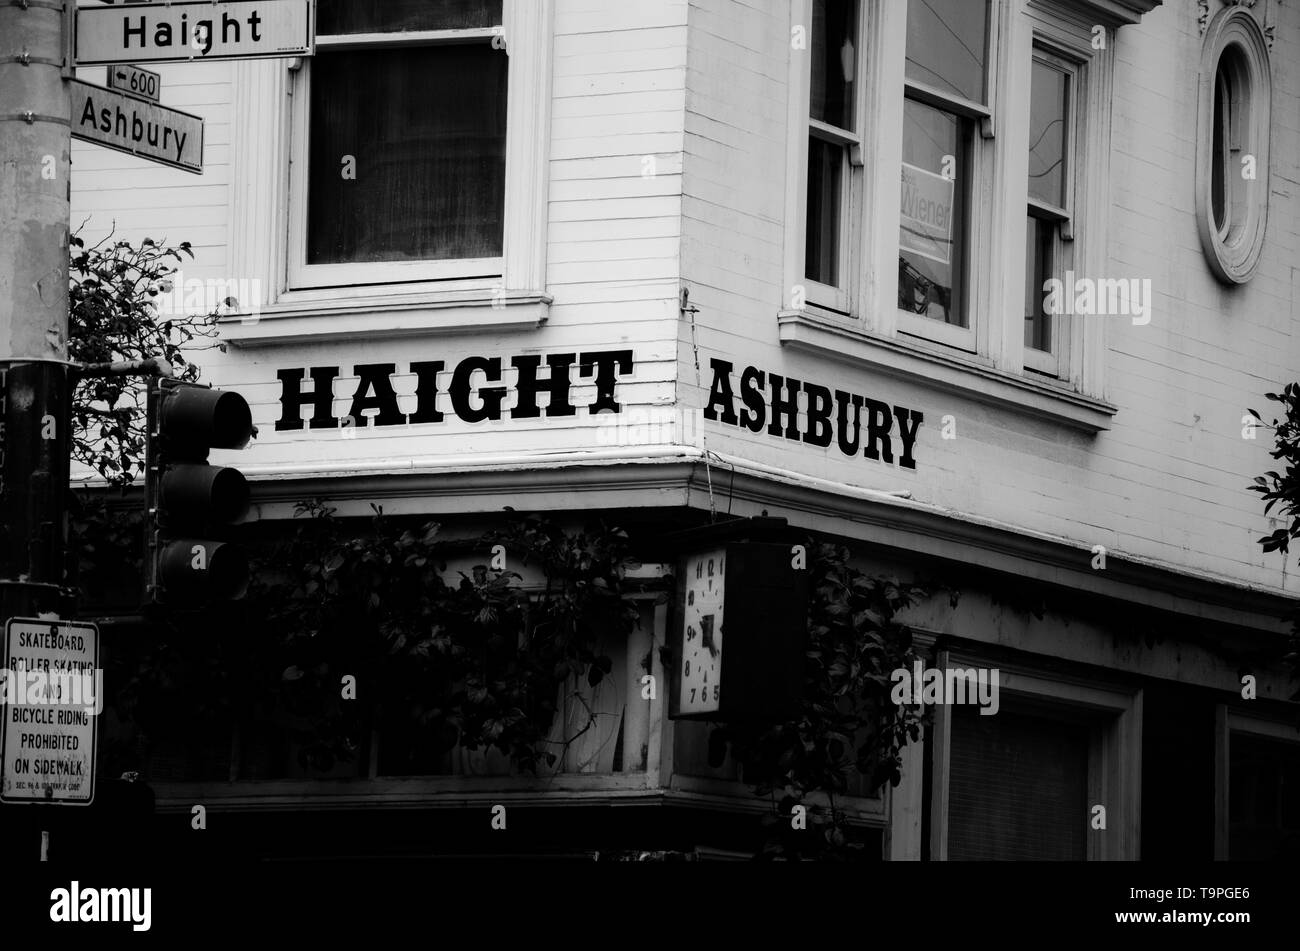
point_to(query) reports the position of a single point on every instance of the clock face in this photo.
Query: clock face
(701, 664)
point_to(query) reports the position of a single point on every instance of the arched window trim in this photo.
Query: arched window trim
(1235, 53)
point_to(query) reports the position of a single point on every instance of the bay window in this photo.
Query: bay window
(946, 160)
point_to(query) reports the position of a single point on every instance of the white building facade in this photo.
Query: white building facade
(653, 258)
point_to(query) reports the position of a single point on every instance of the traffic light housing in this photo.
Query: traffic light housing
(189, 504)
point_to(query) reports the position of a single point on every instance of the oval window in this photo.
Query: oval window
(1232, 151)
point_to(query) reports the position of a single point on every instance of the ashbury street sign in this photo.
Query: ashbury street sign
(51, 694)
(133, 125)
(163, 32)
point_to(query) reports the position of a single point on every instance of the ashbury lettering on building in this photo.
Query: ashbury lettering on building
(469, 403)
(858, 425)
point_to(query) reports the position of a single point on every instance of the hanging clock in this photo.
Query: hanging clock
(742, 609)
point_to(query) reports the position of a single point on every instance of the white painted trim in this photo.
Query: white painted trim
(906, 806)
(911, 360)
(259, 175)
(796, 152)
(381, 318)
(530, 38)
(1234, 258)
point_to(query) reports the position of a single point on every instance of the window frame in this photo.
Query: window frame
(842, 300)
(1227, 721)
(307, 276)
(980, 164)
(1053, 362)
(1114, 757)
(1233, 250)
(259, 213)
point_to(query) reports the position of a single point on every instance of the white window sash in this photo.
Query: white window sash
(351, 41)
(984, 156)
(522, 265)
(1056, 362)
(303, 275)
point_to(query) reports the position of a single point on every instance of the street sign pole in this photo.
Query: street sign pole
(35, 159)
(35, 152)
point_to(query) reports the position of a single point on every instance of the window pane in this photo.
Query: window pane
(931, 245)
(382, 16)
(1047, 134)
(822, 247)
(834, 25)
(1017, 789)
(946, 45)
(1039, 239)
(426, 127)
(1263, 799)
(1218, 192)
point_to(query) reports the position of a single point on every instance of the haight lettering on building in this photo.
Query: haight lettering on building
(469, 402)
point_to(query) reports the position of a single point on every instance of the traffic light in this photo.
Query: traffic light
(190, 504)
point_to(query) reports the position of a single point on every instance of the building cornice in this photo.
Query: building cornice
(1112, 13)
(676, 477)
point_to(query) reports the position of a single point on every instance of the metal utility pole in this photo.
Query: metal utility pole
(35, 156)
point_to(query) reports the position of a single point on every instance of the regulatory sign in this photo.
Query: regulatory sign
(202, 29)
(134, 81)
(141, 128)
(51, 695)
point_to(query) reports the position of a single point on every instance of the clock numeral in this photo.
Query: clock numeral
(692, 695)
(687, 671)
(699, 569)
(690, 597)
(710, 567)
(715, 691)
(690, 633)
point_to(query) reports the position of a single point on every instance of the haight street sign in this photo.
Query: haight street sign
(204, 29)
(141, 128)
(52, 691)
